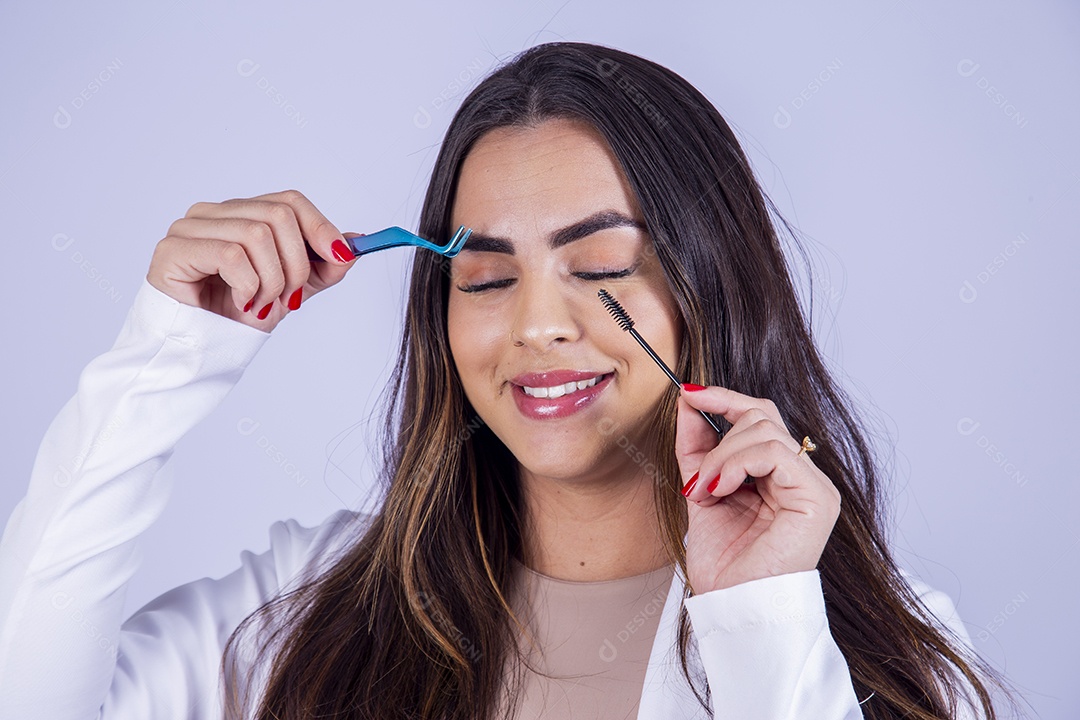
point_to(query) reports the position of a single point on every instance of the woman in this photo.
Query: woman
(534, 553)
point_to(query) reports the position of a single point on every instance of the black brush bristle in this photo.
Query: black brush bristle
(616, 310)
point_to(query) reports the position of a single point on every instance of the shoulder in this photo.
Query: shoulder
(300, 551)
(938, 603)
(943, 610)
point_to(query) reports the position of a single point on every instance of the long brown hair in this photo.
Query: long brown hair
(413, 620)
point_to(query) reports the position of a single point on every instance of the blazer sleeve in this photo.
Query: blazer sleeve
(768, 652)
(69, 547)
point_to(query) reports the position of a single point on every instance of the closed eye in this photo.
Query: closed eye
(590, 276)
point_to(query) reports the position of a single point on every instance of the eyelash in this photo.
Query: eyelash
(497, 284)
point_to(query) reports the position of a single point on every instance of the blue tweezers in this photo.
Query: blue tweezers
(397, 237)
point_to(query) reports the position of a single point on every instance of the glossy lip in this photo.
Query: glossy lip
(553, 408)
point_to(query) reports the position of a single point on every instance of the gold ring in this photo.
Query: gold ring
(807, 446)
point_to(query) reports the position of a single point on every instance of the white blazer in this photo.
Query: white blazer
(69, 549)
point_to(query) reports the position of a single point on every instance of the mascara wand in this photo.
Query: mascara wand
(626, 323)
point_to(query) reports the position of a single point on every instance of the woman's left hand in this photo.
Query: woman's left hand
(739, 531)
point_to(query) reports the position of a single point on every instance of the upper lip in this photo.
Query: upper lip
(549, 378)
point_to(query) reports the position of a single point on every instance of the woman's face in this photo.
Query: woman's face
(545, 204)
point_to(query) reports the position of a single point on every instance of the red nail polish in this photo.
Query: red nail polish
(713, 484)
(692, 387)
(249, 304)
(689, 486)
(295, 298)
(341, 251)
(265, 311)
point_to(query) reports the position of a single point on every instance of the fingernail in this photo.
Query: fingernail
(692, 387)
(295, 298)
(713, 484)
(341, 251)
(689, 486)
(265, 311)
(249, 304)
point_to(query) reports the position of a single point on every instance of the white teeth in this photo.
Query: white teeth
(556, 391)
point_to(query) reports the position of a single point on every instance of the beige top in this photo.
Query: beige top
(594, 639)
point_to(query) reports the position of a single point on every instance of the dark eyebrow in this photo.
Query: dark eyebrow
(594, 223)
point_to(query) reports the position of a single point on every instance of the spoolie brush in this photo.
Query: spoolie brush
(627, 324)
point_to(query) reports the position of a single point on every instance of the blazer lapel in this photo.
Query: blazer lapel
(666, 693)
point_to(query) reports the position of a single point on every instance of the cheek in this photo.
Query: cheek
(473, 337)
(457, 330)
(660, 325)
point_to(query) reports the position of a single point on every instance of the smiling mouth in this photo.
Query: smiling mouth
(557, 391)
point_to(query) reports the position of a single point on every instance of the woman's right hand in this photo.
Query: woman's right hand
(245, 258)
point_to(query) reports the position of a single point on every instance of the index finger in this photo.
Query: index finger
(315, 228)
(725, 401)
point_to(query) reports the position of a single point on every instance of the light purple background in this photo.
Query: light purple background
(926, 151)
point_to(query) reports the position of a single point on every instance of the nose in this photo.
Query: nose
(543, 315)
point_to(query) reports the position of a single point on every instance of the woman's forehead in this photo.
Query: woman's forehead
(541, 178)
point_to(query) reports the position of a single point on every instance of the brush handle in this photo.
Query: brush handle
(655, 357)
(671, 376)
(710, 421)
